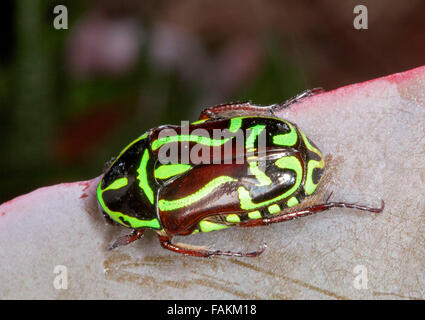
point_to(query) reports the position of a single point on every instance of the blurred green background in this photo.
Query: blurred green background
(71, 99)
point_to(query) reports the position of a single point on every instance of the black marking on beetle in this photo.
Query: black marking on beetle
(317, 174)
(124, 221)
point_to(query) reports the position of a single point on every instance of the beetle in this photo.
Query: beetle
(252, 185)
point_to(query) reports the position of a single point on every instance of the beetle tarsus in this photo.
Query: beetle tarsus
(354, 205)
(127, 239)
(297, 98)
(251, 254)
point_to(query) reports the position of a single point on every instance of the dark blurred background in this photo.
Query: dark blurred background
(71, 99)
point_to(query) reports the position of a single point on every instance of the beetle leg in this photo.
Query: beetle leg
(308, 211)
(129, 238)
(230, 110)
(201, 251)
(297, 98)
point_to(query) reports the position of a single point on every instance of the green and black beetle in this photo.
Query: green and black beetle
(259, 182)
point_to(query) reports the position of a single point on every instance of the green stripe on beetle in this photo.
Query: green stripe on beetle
(156, 144)
(233, 218)
(254, 215)
(287, 139)
(170, 170)
(310, 186)
(235, 124)
(287, 162)
(292, 202)
(274, 208)
(208, 226)
(143, 177)
(170, 205)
